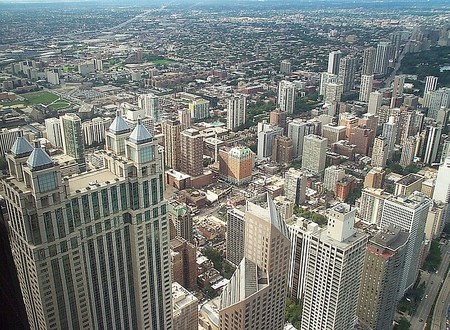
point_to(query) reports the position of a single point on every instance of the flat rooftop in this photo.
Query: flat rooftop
(91, 179)
(410, 179)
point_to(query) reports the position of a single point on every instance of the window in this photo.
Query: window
(46, 182)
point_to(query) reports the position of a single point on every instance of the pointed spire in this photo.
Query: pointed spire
(140, 133)
(21, 147)
(119, 125)
(39, 159)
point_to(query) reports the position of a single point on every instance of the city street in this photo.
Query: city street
(440, 311)
(433, 284)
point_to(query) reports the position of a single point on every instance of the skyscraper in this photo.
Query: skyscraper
(368, 61)
(266, 137)
(282, 150)
(409, 213)
(430, 84)
(237, 106)
(286, 96)
(381, 276)
(100, 238)
(314, 153)
(285, 67)
(331, 176)
(150, 104)
(72, 138)
(366, 88)
(375, 102)
(53, 129)
(408, 151)
(347, 69)
(236, 165)
(235, 236)
(297, 130)
(390, 133)
(180, 216)
(171, 130)
(184, 117)
(382, 57)
(333, 62)
(398, 85)
(191, 152)
(295, 186)
(333, 273)
(255, 297)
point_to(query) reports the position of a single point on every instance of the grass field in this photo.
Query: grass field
(41, 98)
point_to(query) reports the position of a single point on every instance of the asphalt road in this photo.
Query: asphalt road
(442, 303)
(432, 289)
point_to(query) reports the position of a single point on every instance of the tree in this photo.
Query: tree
(215, 257)
(403, 324)
(293, 312)
(434, 257)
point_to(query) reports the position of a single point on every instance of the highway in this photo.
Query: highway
(442, 303)
(432, 289)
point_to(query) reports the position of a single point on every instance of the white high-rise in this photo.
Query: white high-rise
(333, 272)
(297, 130)
(286, 96)
(366, 88)
(94, 130)
(380, 152)
(314, 153)
(430, 84)
(390, 133)
(382, 57)
(237, 106)
(375, 102)
(53, 128)
(92, 251)
(266, 136)
(334, 59)
(150, 104)
(331, 176)
(295, 186)
(347, 69)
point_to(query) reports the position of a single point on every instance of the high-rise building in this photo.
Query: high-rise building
(297, 130)
(72, 138)
(334, 59)
(333, 92)
(295, 186)
(314, 153)
(100, 238)
(278, 118)
(285, 67)
(382, 57)
(398, 85)
(375, 102)
(368, 61)
(266, 137)
(53, 129)
(184, 117)
(408, 151)
(371, 205)
(366, 88)
(191, 152)
(300, 231)
(237, 106)
(436, 220)
(236, 164)
(390, 133)
(374, 178)
(442, 188)
(432, 137)
(333, 273)
(325, 79)
(282, 150)
(94, 131)
(430, 84)
(363, 138)
(381, 276)
(347, 69)
(409, 213)
(150, 104)
(435, 100)
(199, 108)
(181, 220)
(185, 308)
(333, 133)
(286, 96)
(255, 297)
(171, 130)
(235, 236)
(184, 263)
(331, 176)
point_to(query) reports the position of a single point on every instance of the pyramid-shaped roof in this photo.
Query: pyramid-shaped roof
(119, 125)
(21, 147)
(140, 134)
(39, 159)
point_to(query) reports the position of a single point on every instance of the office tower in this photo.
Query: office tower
(300, 231)
(408, 151)
(435, 100)
(297, 130)
(325, 79)
(382, 57)
(398, 85)
(366, 88)
(390, 133)
(430, 84)
(333, 92)
(442, 188)
(333, 133)
(53, 129)
(409, 213)
(94, 131)
(180, 217)
(184, 263)
(266, 137)
(282, 150)
(368, 61)
(285, 67)
(185, 308)
(331, 176)
(333, 273)
(95, 235)
(235, 236)
(375, 102)
(371, 205)
(436, 220)
(171, 130)
(184, 117)
(278, 118)
(314, 153)
(408, 184)
(347, 69)
(237, 106)
(381, 276)
(255, 297)
(334, 59)
(286, 96)
(236, 164)
(199, 108)
(431, 143)
(363, 138)
(150, 104)
(72, 138)
(191, 161)
(295, 186)
(380, 152)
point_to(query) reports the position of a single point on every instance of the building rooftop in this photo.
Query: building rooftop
(140, 134)
(391, 238)
(181, 297)
(409, 179)
(39, 159)
(21, 147)
(91, 180)
(119, 125)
